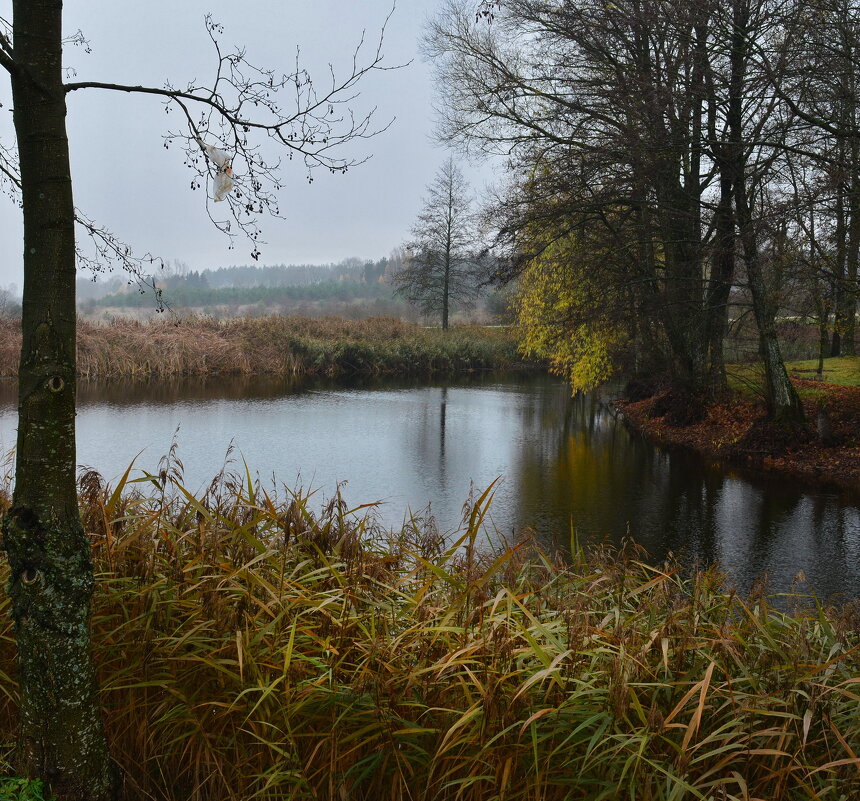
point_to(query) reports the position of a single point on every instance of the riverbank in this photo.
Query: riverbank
(249, 648)
(288, 346)
(735, 430)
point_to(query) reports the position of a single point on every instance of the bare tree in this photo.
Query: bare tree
(444, 263)
(51, 581)
(815, 72)
(607, 97)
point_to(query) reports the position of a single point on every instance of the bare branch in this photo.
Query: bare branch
(11, 177)
(7, 54)
(109, 251)
(7, 60)
(244, 99)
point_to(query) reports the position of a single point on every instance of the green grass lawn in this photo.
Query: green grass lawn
(842, 371)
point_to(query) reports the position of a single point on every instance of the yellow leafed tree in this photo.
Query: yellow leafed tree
(567, 317)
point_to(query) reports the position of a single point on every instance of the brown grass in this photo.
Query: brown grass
(250, 649)
(277, 345)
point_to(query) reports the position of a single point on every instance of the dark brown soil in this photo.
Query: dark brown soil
(737, 430)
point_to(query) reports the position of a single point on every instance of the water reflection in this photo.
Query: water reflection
(582, 466)
(563, 461)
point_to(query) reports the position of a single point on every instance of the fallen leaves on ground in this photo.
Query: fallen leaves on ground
(736, 429)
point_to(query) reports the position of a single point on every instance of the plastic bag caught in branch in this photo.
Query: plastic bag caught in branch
(224, 175)
(219, 157)
(223, 184)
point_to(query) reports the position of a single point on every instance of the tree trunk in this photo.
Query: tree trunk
(839, 283)
(720, 283)
(446, 292)
(823, 339)
(783, 402)
(446, 277)
(62, 739)
(680, 234)
(846, 313)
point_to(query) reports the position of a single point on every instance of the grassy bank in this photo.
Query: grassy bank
(251, 650)
(735, 428)
(844, 371)
(275, 345)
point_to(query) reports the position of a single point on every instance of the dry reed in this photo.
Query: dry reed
(250, 649)
(277, 345)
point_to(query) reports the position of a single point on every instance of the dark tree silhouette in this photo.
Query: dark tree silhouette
(444, 261)
(649, 120)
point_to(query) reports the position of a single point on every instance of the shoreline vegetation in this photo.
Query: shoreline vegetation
(735, 429)
(275, 345)
(731, 430)
(249, 648)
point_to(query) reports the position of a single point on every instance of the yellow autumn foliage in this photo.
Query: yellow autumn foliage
(566, 317)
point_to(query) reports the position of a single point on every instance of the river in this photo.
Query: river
(417, 448)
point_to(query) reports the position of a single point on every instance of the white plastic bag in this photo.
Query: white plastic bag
(224, 175)
(223, 184)
(219, 157)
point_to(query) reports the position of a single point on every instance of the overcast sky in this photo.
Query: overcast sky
(127, 181)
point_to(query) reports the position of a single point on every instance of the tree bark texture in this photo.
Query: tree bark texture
(62, 738)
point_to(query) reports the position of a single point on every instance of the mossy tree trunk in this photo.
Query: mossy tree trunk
(62, 738)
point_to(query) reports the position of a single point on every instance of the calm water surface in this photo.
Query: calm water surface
(562, 461)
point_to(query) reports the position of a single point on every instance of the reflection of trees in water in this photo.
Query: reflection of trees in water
(128, 392)
(579, 463)
(125, 392)
(770, 524)
(443, 406)
(589, 468)
(586, 466)
(429, 434)
(574, 459)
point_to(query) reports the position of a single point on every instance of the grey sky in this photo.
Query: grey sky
(127, 181)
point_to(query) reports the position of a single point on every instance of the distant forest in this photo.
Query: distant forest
(351, 288)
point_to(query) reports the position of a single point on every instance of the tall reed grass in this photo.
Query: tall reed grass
(251, 649)
(278, 345)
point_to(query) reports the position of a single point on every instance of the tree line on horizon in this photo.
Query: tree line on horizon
(179, 275)
(352, 286)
